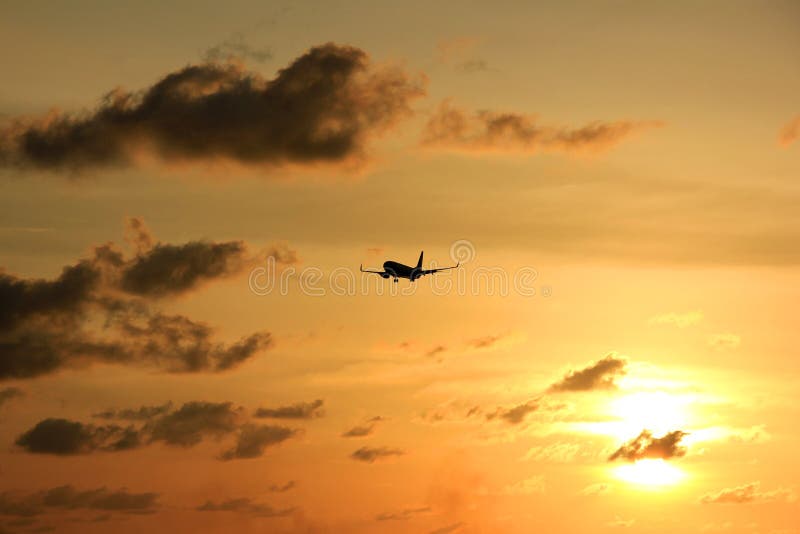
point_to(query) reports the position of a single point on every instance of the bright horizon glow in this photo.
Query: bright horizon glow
(650, 472)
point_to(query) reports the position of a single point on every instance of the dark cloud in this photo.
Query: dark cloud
(105, 309)
(253, 439)
(244, 506)
(236, 47)
(173, 269)
(6, 394)
(516, 414)
(22, 300)
(747, 494)
(402, 515)
(322, 108)
(600, 375)
(194, 421)
(67, 497)
(100, 499)
(143, 413)
(360, 431)
(372, 454)
(184, 427)
(646, 446)
(64, 437)
(489, 131)
(300, 410)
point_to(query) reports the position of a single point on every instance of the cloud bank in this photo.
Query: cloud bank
(106, 308)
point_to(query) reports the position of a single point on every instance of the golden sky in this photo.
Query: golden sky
(186, 192)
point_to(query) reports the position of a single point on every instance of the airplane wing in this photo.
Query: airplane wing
(431, 271)
(363, 270)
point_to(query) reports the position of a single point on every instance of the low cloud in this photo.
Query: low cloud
(452, 128)
(300, 410)
(188, 425)
(599, 375)
(244, 506)
(323, 108)
(64, 437)
(105, 308)
(363, 430)
(254, 439)
(184, 427)
(373, 454)
(646, 446)
(747, 494)
(403, 515)
(516, 414)
(484, 342)
(681, 320)
(9, 393)
(790, 132)
(69, 498)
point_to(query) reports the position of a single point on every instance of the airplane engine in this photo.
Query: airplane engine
(384, 275)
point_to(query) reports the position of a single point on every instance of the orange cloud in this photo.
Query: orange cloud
(452, 128)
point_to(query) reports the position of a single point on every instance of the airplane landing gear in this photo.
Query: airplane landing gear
(395, 280)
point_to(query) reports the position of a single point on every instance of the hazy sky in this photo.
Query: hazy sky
(187, 191)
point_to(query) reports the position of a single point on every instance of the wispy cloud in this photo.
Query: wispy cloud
(452, 128)
(300, 410)
(747, 494)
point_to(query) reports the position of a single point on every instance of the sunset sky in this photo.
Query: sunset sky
(187, 191)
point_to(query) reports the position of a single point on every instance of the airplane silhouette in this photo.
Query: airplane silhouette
(398, 270)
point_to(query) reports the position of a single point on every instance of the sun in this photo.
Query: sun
(653, 473)
(656, 411)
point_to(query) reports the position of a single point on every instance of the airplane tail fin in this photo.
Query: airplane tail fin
(419, 263)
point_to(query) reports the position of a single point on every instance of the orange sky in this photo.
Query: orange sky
(186, 192)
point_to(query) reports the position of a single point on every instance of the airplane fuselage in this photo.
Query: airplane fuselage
(398, 270)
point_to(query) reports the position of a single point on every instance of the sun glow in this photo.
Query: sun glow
(656, 411)
(650, 473)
